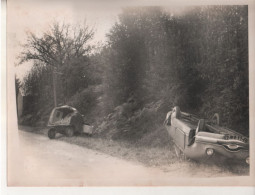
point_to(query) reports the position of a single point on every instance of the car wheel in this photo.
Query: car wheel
(177, 112)
(216, 119)
(52, 133)
(69, 131)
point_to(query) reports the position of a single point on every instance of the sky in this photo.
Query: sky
(37, 15)
(25, 16)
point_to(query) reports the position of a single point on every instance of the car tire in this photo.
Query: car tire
(216, 119)
(69, 131)
(52, 133)
(177, 112)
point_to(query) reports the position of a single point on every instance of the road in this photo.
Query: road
(45, 162)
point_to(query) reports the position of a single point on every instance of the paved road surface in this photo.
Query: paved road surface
(44, 162)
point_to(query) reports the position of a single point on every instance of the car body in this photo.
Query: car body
(67, 120)
(201, 139)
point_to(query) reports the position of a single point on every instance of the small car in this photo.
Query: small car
(201, 139)
(67, 120)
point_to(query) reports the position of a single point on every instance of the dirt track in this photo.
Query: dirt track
(48, 162)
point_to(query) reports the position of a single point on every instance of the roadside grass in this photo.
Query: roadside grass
(161, 156)
(145, 155)
(149, 156)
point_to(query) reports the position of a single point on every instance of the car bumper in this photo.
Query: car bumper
(202, 151)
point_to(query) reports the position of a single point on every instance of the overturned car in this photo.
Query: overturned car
(201, 139)
(67, 120)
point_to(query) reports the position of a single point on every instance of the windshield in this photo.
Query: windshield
(61, 114)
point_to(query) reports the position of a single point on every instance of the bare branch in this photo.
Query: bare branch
(58, 45)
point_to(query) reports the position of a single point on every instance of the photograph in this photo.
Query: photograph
(124, 94)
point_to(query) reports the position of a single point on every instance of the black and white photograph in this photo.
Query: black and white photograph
(122, 94)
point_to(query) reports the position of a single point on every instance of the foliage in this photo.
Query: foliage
(153, 59)
(38, 88)
(198, 60)
(58, 46)
(85, 102)
(64, 49)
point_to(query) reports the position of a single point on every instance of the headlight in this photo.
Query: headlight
(209, 151)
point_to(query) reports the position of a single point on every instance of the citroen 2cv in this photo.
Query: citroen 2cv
(201, 139)
(67, 120)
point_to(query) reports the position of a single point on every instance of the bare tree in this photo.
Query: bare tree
(58, 47)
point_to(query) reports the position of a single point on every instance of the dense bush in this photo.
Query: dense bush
(197, 60)
(154, 59)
